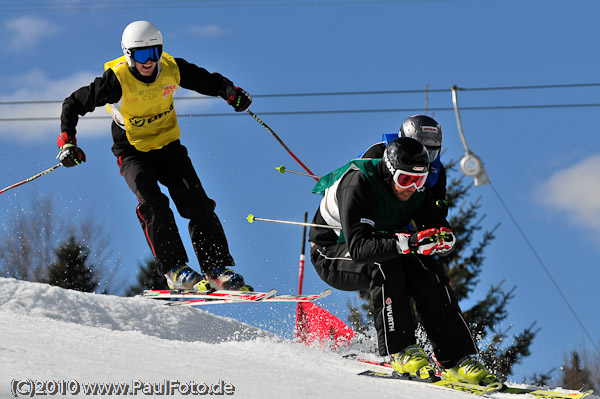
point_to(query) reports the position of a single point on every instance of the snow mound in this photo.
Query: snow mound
(145, 315)
(65, 338)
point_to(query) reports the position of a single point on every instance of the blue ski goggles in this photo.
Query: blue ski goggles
(142, 55)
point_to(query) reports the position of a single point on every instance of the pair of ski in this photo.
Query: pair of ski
(479, 390)
(196, 298)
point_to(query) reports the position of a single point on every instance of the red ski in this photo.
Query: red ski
(192, 298)
(222, 295)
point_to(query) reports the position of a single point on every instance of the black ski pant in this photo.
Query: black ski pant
(172, 167)
(392, 285)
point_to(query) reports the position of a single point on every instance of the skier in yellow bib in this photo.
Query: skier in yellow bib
(137, 89)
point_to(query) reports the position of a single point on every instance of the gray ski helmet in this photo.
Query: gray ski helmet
(406, 154)
(422, 128)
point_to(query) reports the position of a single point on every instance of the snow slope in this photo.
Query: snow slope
(52, 334)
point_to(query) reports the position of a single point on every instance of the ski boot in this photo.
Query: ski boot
(185, 278)
(223, 278)
(413, 362)
(470, 371)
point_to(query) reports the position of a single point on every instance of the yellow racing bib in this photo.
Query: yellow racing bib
(146, 110)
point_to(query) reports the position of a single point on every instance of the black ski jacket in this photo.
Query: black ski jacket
(438, 189)
(357, 201)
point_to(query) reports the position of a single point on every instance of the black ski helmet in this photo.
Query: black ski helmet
(406, 154)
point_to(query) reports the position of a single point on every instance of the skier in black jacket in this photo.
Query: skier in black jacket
(367, 201)
(429, 132)
(138, 90)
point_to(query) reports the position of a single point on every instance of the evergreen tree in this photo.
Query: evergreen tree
(582, 370)
(361, 316)
(29, 240)
(463, 266)
(70, 270)
(148, 278)
(575, 375)
(542, 380)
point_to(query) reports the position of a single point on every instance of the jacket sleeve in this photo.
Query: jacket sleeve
(357, 201)
(103, 90)
(439, 192)
(429, 214)
(201, 81)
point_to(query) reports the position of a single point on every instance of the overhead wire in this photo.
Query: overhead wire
(324, 112)
(513, 218)
(545, 268)
(68, 6)
(349, 93)
(360, 93)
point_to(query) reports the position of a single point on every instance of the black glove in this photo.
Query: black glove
(238, 98)
(69, 155)
(423, 242)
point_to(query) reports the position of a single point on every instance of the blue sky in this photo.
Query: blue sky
(543, 162)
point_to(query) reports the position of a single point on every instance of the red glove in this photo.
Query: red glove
(69, 155)
(64, 138)
(446, 241)
(423, 242)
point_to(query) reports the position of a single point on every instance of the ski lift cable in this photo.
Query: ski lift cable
(477, 171)
(357, 93)
(546, 270)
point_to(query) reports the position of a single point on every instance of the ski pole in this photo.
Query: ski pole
(31, 178)
(280, 142)
(251, 218)
(301, 324)
(282, 169)
(301, 265)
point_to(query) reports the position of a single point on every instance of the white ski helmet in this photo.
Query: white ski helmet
(140, 34)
